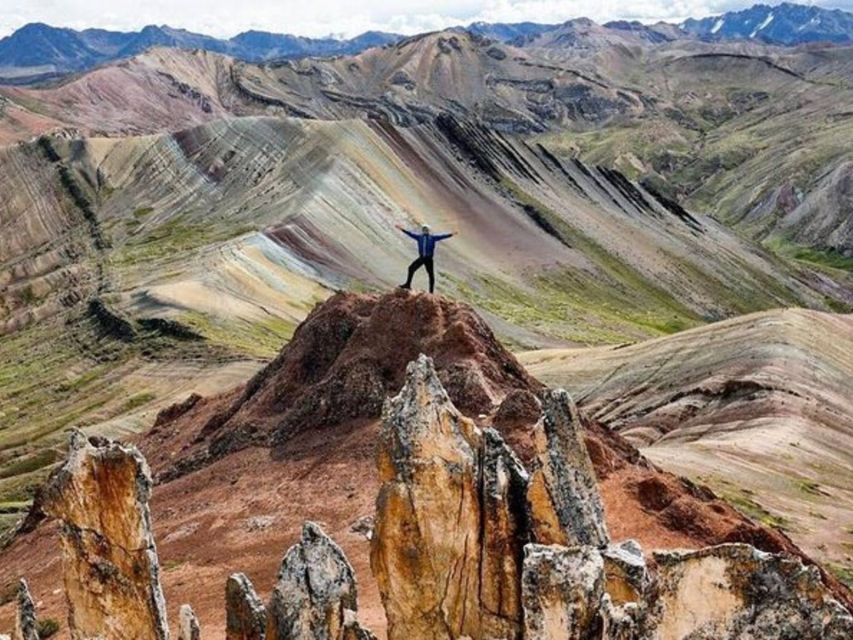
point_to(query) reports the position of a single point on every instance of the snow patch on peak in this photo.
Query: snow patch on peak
(767, 21)
(718, 25)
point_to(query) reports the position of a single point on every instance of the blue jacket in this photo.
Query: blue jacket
(426, 241)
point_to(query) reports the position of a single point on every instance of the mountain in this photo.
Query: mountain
(781, 24)
(762, 399)
(507, 32)
(164, 36)
(38, 51)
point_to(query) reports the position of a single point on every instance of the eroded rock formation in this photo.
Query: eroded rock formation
(561, 591)
(425, 552)
(26, 625)
(315, 596)
(458, 546)
(111, 573)
(735, 591)
(565, 503)
(245, 616)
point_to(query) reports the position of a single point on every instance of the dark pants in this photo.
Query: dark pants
(417, 264)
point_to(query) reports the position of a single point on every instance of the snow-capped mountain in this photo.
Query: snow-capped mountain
(783, 24)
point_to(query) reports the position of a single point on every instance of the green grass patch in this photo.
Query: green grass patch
(136, 401)
(46, 628)
(28, 464)
(750, 507)
(843, 573)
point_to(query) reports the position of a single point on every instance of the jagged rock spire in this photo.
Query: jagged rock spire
(26, 625)
(449, 497)
(315, 597)
(245, 616)
(188, 629)
(566, 506)
(111, 573)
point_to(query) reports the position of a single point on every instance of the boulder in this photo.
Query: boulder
(562, 589)
(315, 597)
(245, 616)
(565, 504)
(26, 627)
(735, 591)
(189, 628)
(110, 568)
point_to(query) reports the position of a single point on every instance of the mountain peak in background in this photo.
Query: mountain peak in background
(781, 24)
(38, 51)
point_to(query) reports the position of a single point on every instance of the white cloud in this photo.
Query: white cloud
(224, 18)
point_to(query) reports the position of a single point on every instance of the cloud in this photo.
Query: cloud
(225, 18)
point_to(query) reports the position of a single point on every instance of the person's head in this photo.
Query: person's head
(424, 228)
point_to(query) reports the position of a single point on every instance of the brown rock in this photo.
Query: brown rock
(503, 487)
(26, 626)
(189, 628)
(110, 566)
(245, 617)
(627, 578)
(565, 503)
(425, 551)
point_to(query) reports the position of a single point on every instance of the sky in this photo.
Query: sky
(346, 18)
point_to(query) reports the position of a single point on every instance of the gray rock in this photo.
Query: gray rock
(565, 502)
(562, 590)
(26, 627)
(245, 616)
(189, 628)
(315, 595)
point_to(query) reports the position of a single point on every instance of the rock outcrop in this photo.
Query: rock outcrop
(111, 573)
(26, 625)
(188, 626)
(347, 356)
(245, 616)
(458, 547)
(425, 552)
(565, 504)
(315, 596)
(735, 591)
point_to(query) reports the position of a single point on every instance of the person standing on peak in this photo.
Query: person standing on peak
(426, 250)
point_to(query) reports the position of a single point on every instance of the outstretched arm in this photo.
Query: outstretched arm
(413, 236)
(444, 236)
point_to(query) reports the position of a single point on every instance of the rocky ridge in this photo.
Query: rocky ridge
(458, 550)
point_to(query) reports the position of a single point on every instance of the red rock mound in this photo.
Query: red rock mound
(345, 359)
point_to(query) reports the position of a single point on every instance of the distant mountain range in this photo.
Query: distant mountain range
(39, 51)
(783, 24)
